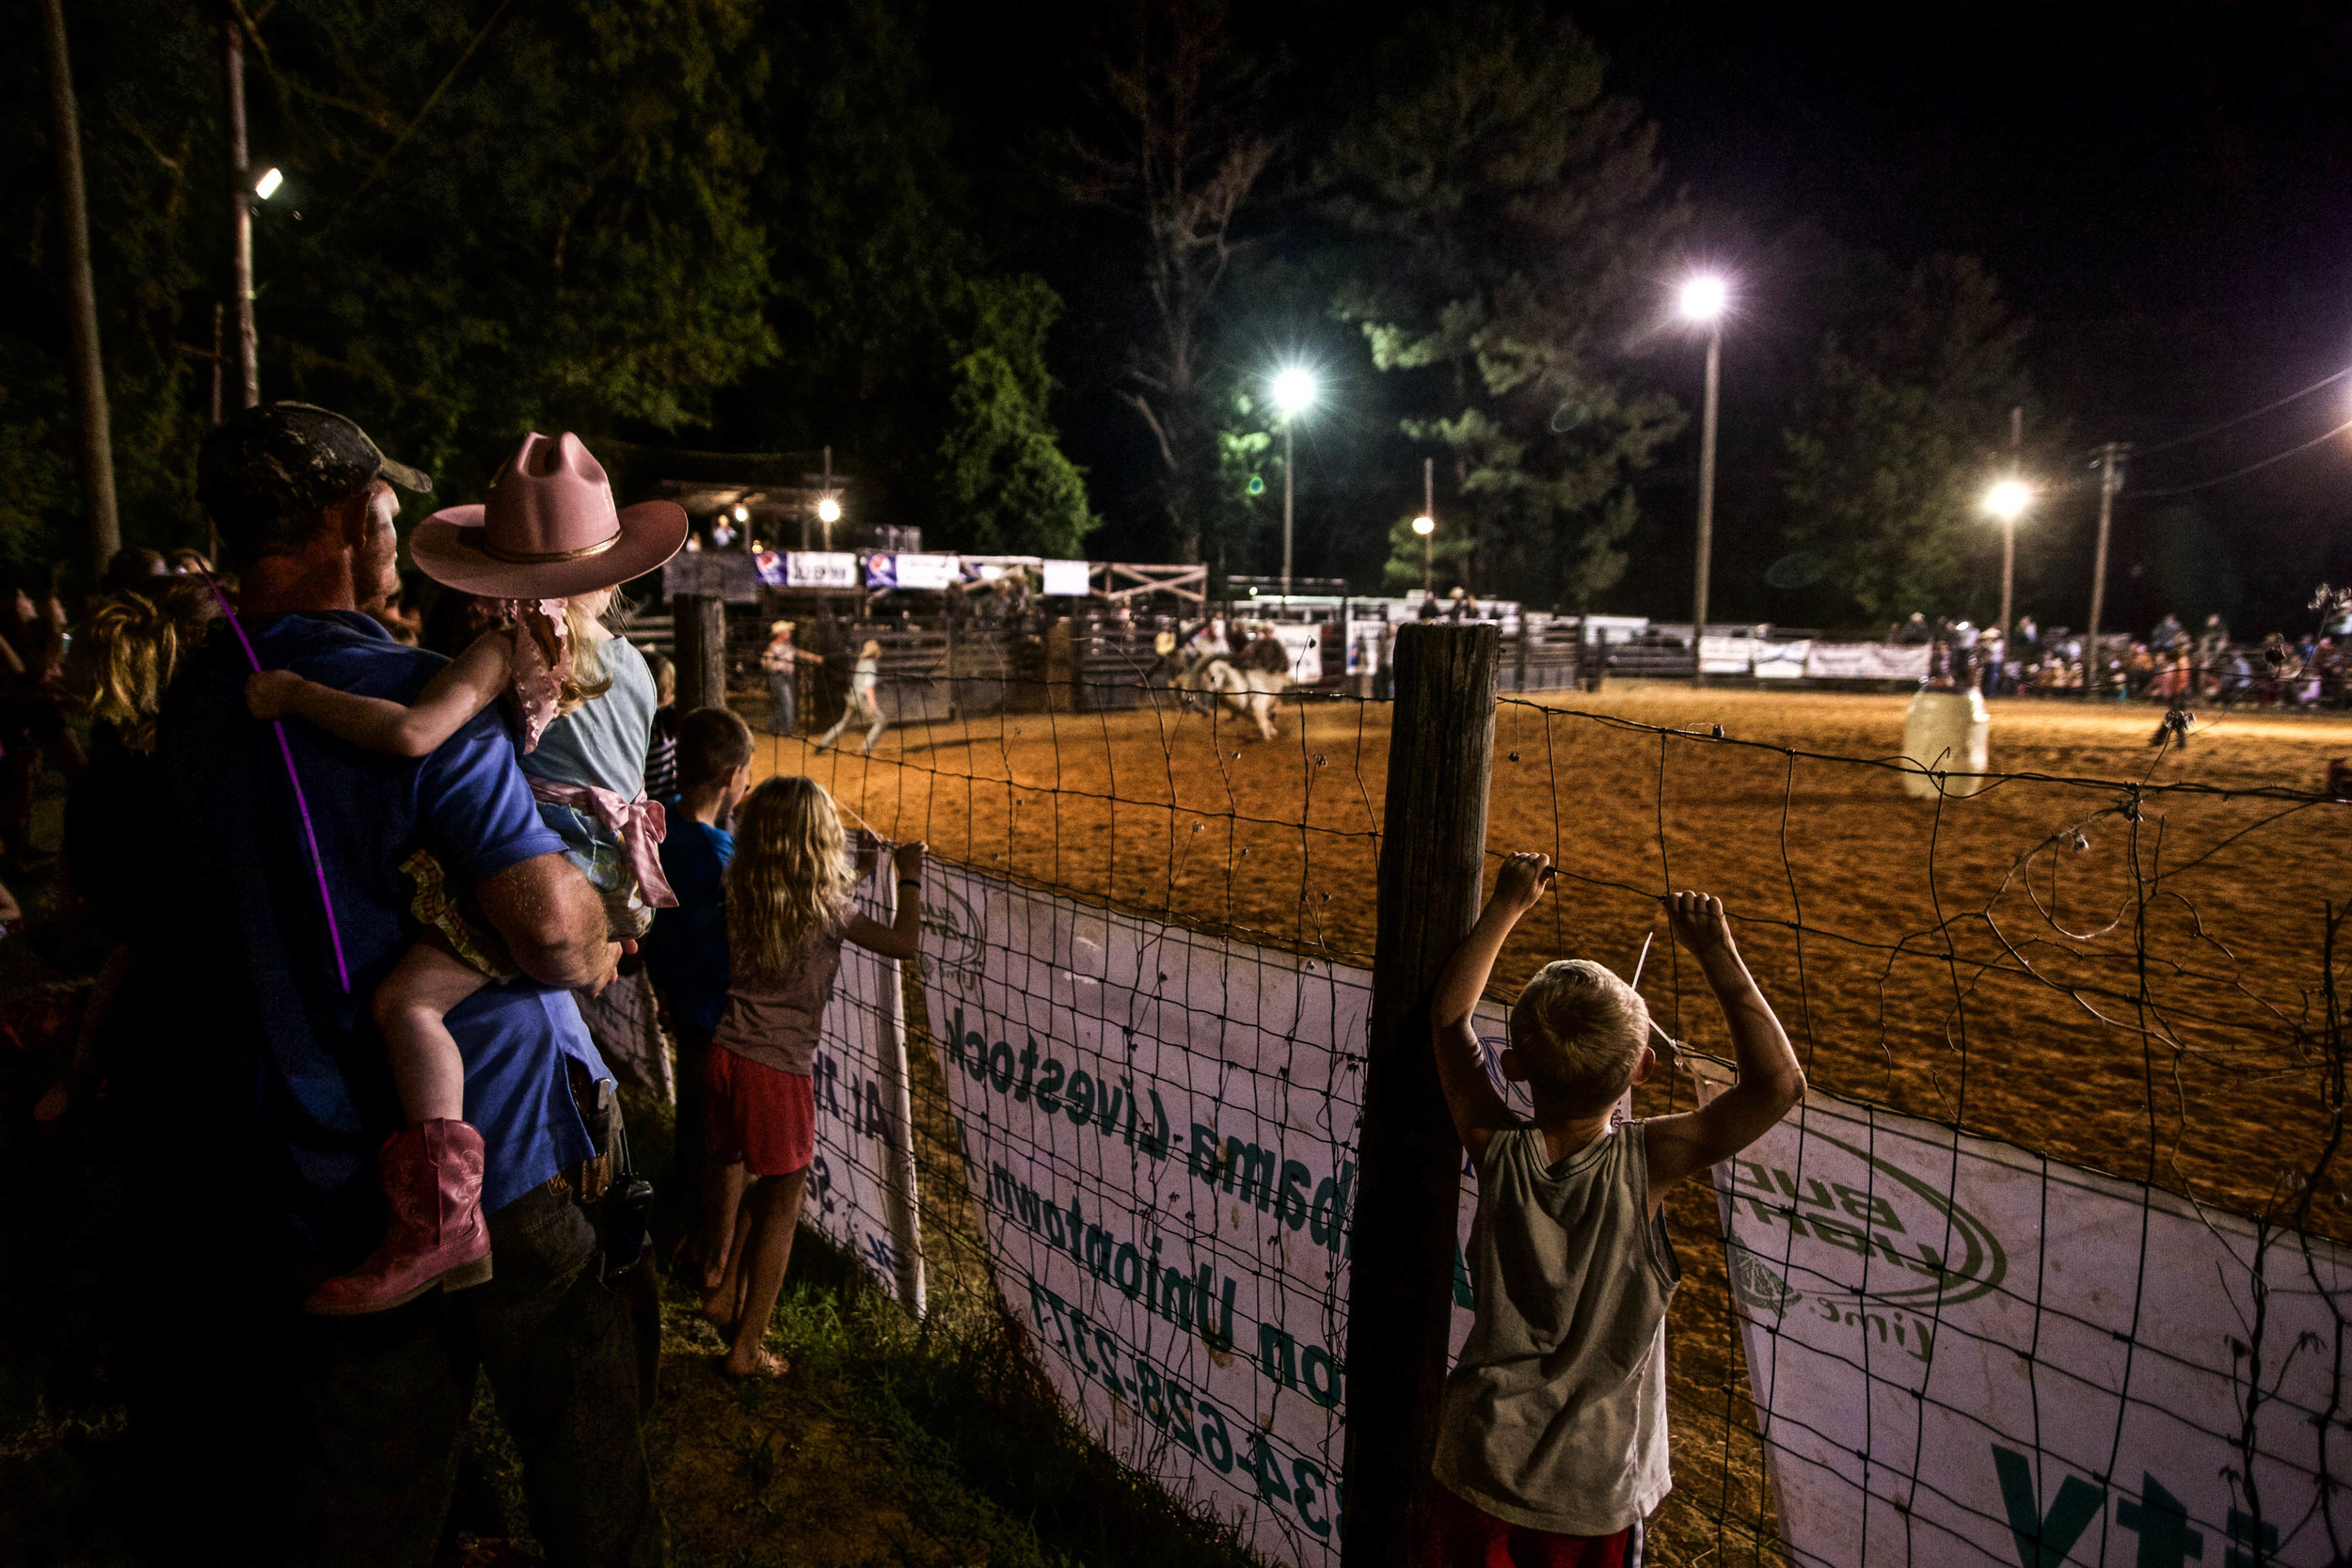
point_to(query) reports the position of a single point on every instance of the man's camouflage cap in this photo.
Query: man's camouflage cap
(286, 459)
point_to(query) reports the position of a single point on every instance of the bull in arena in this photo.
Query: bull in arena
(1248, 683)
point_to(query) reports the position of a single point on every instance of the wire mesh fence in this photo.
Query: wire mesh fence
(2105, 977)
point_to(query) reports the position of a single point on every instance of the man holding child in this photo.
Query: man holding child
(292, 906)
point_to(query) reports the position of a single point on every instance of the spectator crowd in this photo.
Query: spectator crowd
(393, 876)
(2170, 665)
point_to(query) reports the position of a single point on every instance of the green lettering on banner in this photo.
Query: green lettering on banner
(2162, 1524)
(1325, 1390)
(1277, 1356)
(1327, 1222)
(1079, 1098)
(1255, 1167)
(1049, 1086)
(1202, 1161)
(1290, 1207)
(2043, 1541)
(1870, 1208)
(1463, 1297)
(2247, 1531)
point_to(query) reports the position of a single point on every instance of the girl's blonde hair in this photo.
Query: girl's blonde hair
(789, 882)
(126, 650)
(587, 622)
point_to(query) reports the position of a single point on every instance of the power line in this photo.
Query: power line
(2251, 467)
(2250, 414)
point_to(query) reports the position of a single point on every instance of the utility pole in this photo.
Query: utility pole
(2111, 481)
(1288, 452)
(1706, 498)
(2008, 525)
(219, 358)
(241, 218)
(1429, 540)
(90, 370)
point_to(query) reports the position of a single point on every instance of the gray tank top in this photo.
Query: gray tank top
(1556, 1417)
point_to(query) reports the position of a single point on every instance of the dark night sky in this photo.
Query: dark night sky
(2164, 188)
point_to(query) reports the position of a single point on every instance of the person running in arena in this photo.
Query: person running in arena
(1551, 1441)
(864, 705)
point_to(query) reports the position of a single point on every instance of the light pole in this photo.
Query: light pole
(1702, 301)
(1426, 524)
(1294, 394)
(2007, 500)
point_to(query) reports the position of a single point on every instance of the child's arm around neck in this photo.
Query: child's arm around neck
(470, 683)
(1479, 1112)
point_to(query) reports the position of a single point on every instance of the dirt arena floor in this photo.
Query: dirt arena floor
(2117, 960)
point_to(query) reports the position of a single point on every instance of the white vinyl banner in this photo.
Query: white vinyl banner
(1727, 655)
(821, 569)
(1964, 1353)
(1865, 661)
(1782, 660)
(1159, 1135)
(861, 1185)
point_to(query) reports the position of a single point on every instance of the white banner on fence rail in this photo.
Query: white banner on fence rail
(861, 1185)
(1865, 661)
(1964, 1353)
(1160, 1138)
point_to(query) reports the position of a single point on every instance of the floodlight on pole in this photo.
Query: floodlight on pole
(1294, 392)
(1425, 526)
(742, 513)
(2009, 498)
(1703, 299)
(266, 182)
(829, 511)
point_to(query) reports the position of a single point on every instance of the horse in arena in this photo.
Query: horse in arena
(1248, 682)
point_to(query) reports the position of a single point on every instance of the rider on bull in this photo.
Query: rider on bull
(1205, 646)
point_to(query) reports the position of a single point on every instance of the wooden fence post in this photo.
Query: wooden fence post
(699, 636)
(1400, 1285)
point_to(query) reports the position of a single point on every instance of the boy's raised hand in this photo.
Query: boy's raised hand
(1522, 882)
(1699, 923)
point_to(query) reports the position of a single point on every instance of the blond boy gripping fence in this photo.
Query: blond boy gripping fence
(1551, 1444)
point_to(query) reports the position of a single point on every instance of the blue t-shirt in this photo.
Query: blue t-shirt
(306, 1073)
(686, 952)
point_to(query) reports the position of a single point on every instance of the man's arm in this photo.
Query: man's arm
(1769, 1079)
(1479, 1112)
(553, 922)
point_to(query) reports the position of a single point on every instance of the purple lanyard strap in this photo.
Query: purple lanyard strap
(285, 749)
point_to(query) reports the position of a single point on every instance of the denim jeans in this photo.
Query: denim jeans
(783, 702)
(382, 1401)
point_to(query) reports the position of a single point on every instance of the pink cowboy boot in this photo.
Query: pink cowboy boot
(433, 1185)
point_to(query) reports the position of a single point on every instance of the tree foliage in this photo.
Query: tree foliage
(1002, 475)
(1180, 150)
(1511, 228)
(1906, 415)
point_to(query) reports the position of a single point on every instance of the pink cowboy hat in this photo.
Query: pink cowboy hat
(549, 529)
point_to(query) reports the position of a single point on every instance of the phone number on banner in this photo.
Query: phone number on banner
(1188, 1418)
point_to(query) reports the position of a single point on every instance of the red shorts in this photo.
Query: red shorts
(757, 1115)
(1462, 1535)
